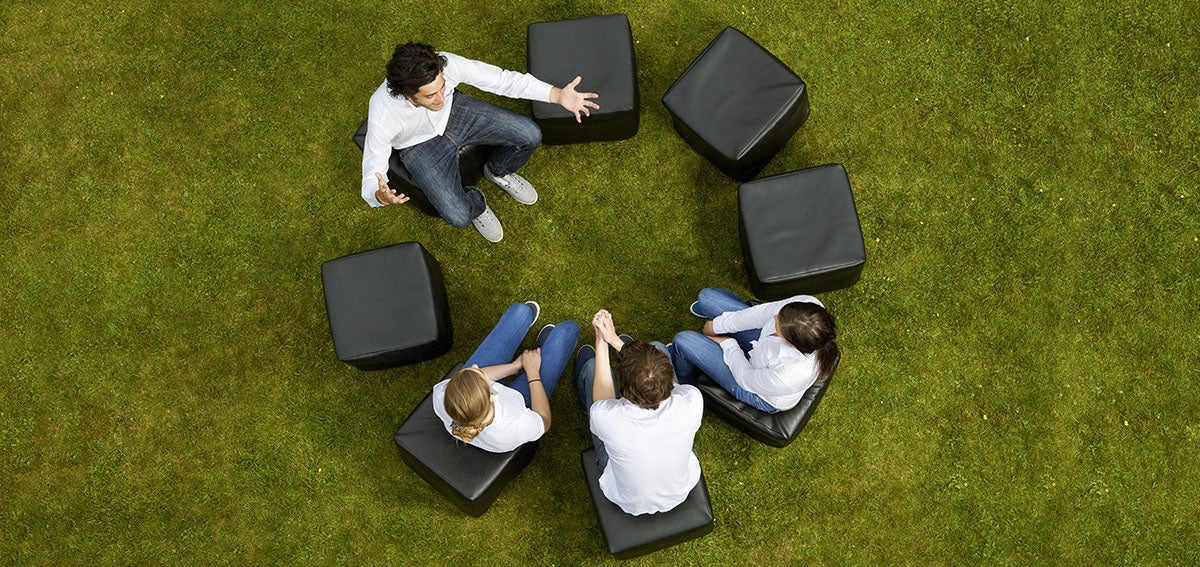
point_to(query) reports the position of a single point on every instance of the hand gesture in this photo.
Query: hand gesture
(603, 324)
(385, 194)
(575, 101)
(531, 361)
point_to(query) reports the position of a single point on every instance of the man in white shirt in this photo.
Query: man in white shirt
(417, 111)
(643, 426)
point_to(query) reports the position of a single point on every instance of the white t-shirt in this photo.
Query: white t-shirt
(776, 371)
(651, 466)
(512, 425)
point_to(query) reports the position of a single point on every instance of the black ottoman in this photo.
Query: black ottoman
(599, 49)
(468, 476)
(470, 168)
(737, 105)
(629, 536)
(775, 429)
(800, 233)
(387, 307)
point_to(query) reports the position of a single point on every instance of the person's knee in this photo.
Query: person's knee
(688, 340)
(528, 133)
(571, 328)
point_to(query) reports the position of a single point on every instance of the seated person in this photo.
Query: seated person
(790, 345)
(418, 112)
(643, 426)
(481, 411)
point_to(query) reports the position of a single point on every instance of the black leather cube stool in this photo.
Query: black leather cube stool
(800, 233)
(470, 168)
(737, 104)
(387, 307)
(599, 49)
(468, 476)
(774, 429)
(629, 536)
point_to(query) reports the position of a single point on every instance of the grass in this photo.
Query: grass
(1017, 382)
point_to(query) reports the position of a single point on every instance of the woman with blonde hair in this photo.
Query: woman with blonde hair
(481, 411)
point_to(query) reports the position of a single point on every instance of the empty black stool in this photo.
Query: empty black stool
(775, 429)
(599, 49)
(470, 168)
(630, 536)
(800, 233)
(468, 476)
(737, 104)
(387, 307)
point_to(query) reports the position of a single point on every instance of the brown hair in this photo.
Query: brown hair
(644, 374)
(468, 401)
(413, 65)
(810, 328)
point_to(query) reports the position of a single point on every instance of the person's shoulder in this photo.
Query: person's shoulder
(688, 395)
(685, 390)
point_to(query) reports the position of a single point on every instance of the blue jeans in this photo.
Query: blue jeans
(500, 347)
(585, 377)
(692, 351)
(433, 164)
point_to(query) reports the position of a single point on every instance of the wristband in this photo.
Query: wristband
(538, 380)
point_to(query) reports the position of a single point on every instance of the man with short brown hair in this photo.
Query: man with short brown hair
(643, 426)
(418, 112)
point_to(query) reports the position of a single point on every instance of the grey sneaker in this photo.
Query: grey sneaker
(515, 185)
(489, 226)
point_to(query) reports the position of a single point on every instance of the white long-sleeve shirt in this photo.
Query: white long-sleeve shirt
(775, 370)
(396, 123)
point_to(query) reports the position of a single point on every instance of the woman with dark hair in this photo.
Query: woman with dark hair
(767, 355)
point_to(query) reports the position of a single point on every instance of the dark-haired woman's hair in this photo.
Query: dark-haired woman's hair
(810, 328)
(644, 374)
(412, 66)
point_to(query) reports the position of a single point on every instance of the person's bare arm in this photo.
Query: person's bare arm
(539, 402)
(602, 382)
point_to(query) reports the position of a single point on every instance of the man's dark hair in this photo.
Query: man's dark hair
(412, 66)
(644, 374)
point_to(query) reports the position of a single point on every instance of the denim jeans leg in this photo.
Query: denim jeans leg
(714, 301)
(585, 375)
(433, 166)
(700, 352)
(475, 122)
(555, 355)
(501, 344)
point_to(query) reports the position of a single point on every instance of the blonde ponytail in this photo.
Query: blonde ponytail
(469, 403)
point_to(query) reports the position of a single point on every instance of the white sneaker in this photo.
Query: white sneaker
(537, 310)
(515, 185)
(489, 226)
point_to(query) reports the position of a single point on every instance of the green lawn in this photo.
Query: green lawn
(1017, 383)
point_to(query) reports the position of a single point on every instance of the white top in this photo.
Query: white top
(513, 424)
(651, 466)
(776, 371)
(394, 122)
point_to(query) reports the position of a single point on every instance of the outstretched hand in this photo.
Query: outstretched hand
(386, 195)
(576, 102)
